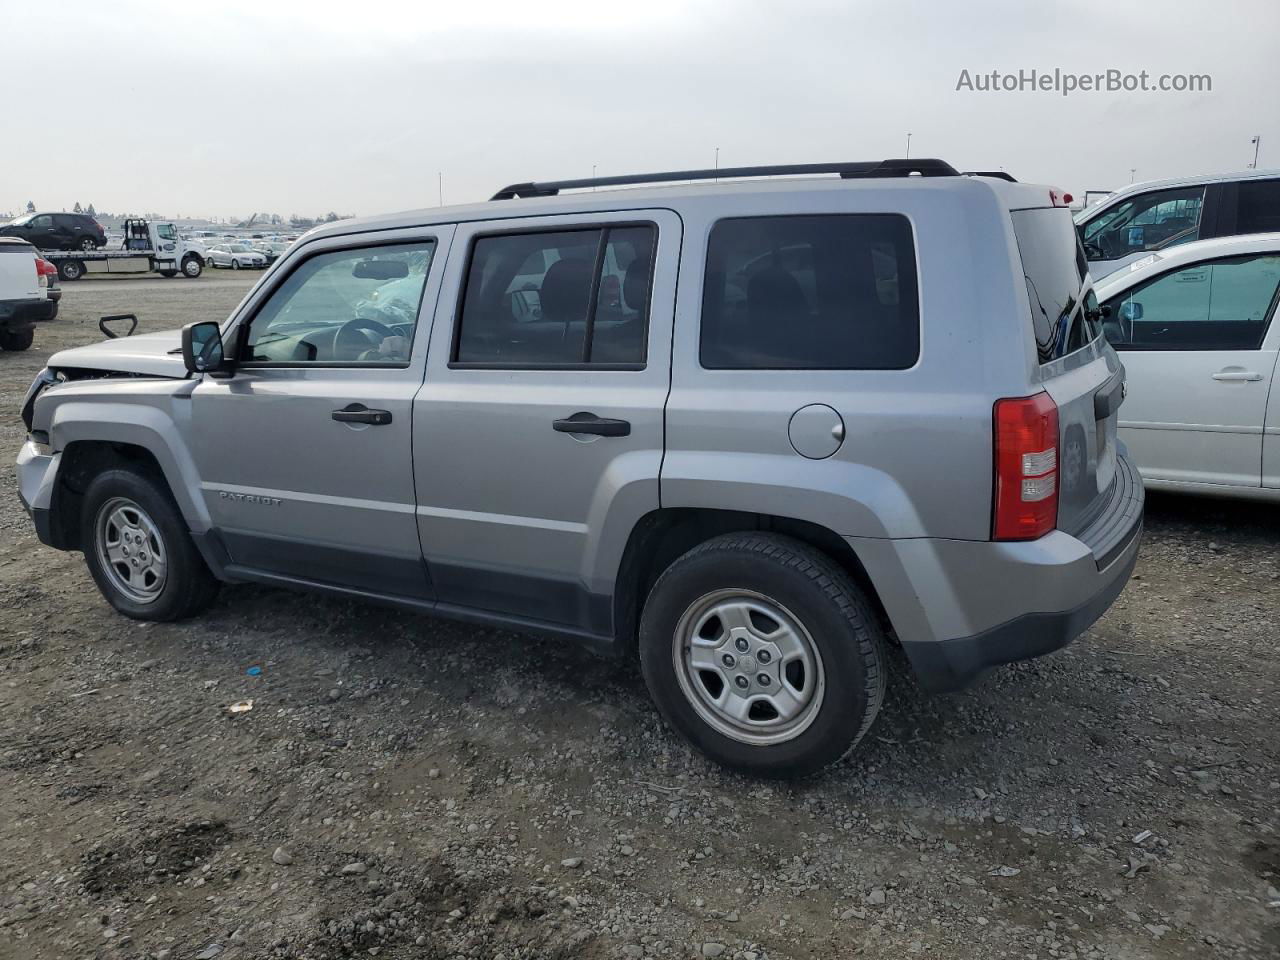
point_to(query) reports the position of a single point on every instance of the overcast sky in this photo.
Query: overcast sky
(224, 108)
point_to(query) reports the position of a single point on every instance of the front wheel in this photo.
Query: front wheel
(17, 339)
(138, 549)
(235, 264)
(192, 267)
(763, 654)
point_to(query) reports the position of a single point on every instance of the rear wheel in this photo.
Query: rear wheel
(88, 243)
(168, 273)
(71, 270)
(763, 654)
(17, 339)
(138, 549)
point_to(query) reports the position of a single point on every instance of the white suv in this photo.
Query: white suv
(24, 293)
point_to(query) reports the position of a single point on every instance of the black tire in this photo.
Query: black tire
(235, 264)
(70, 270)
(16, 340)
(189, 587)
(816, 592)
(192, 267)
(87, 244)
(168, 274)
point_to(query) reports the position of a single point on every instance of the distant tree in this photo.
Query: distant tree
(330, 217)
(77, 209)
(31, 207)
(90, 211)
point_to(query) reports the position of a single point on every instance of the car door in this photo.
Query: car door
(42, 232)
(305, 453)
(1200, 359)
(538, 434)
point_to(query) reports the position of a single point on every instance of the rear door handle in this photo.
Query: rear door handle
(1232, 374)
(359, 413)
(590, 423)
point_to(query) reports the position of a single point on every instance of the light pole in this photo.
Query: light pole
(1257, 144)
(908, 156)
(1132, 171)
(593, 176)
(440, 187)
(717, 164)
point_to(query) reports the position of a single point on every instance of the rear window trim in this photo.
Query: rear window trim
(915, 263)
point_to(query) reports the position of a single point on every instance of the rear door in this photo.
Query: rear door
(538, 434)
(1077, 368)
(1200, 361)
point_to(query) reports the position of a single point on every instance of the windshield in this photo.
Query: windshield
(19, 221)
(1064, 312)
(238, 248)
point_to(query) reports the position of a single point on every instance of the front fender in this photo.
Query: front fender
(157, 422)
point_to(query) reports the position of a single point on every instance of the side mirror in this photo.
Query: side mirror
(1130, 311)
(202, 347)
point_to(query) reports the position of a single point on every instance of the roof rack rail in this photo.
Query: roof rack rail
(997, 174)
(847, 171)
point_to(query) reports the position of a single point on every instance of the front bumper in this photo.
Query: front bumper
(960, 607)
(37, 477)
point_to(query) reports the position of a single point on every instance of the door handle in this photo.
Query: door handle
(590, 423)
(1235, 374)
(359, 413)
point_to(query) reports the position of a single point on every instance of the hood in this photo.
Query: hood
(148, 354)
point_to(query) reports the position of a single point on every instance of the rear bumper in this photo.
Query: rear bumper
(20, 314)
(962, 607)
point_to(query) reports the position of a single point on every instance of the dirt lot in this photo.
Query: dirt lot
(405, 787)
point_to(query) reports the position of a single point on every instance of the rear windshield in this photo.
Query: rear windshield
(1064, 313)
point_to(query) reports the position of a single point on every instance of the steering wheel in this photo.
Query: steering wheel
(348, 338)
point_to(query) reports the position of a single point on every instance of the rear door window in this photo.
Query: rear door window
(1259, 207)
(1064, 314)
(828, 292)
(558, 298)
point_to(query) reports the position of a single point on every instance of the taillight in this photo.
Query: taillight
(44, 270)
(1026, 467)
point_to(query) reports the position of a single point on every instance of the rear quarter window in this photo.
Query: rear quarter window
(826, 292)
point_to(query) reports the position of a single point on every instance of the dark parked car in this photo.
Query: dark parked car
(57, 231)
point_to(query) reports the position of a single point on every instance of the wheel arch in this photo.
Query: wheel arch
(100, 437)
(663, 535)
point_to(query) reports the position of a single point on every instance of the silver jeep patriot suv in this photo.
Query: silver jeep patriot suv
(752, 429)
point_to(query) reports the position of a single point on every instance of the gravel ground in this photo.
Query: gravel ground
(406, 787)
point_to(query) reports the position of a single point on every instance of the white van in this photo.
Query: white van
(1158, 214)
